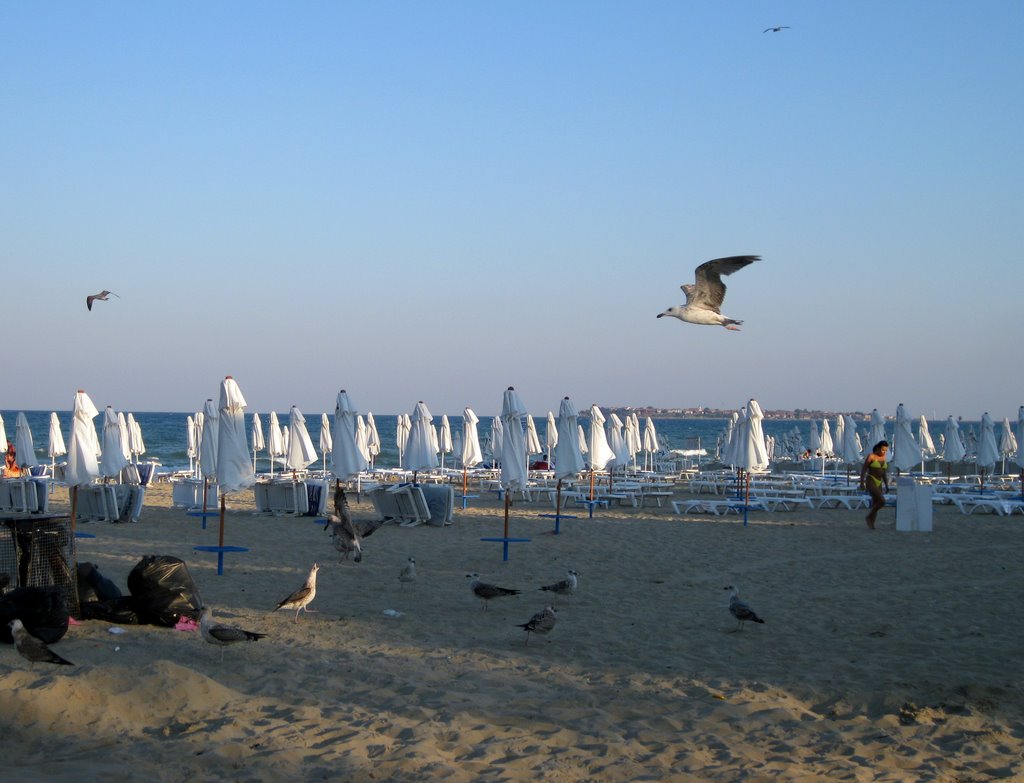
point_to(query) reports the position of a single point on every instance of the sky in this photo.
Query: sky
(436, 200)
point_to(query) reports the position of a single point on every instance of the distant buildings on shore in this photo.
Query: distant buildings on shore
(722, 413)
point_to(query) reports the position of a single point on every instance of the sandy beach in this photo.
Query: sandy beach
(885, 656)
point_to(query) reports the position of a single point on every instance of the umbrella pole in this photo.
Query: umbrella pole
(591, 484)
(221, 539)
(508, 502)
(746, 502)
(74, 507)
(558, 503)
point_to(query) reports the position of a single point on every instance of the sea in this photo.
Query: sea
(166, 439)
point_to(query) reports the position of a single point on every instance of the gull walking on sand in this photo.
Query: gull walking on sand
(408, 574)
(223, 635)
(102, 296)
(565, 587)
(32, 649)
(303, 597)
(740, 609)
(542, 622)
(704, 298)
(487, 592)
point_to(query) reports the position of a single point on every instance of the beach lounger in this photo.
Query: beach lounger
(848, 501)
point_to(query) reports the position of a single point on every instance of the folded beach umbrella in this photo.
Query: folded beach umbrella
(444, 439)
(617, 443)
(56, 447)
(988, 450)
(849, 445)
(1007, 441)
(24, 448)
(1019, 458)
(402, 429)
(372, 438)
(363, 439)
(471, 453)
(3, 434)
(299, 451)
(532, 438)
(752, 453)
(258, 443)
(136, 445)
(650, 440)
(497, 436)
(122, 422)
(569, 461)
(631, 434)
(877, 432)
(347, 461)
(953, 449)
(513, 442)
(827, 446)
(551, 437)
(598, 450)
(113, 460)
(581, 439)
(924, 437)
(208, 439)
(82, 466)
(420, 451)
(234, 472)
(275, 440)
(326, 440)
(906, 452)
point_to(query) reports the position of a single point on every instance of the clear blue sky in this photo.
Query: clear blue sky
(437, 200)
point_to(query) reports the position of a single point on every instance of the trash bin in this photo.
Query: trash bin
(913, 505)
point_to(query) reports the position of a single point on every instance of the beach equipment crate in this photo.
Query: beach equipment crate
(913, 505)
(40, 552)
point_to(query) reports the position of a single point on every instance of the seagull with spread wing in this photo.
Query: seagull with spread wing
(102, 296)
(704, 298)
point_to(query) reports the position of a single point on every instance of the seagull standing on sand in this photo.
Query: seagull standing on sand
(103, 296)
(223, 635)
(567, 586)
(542, 622)
(302, 597)
(704, 298)
(487, 591)
(32, 649)
(408, 574)
(740, 609)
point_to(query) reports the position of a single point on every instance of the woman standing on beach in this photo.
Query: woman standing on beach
(873, 475)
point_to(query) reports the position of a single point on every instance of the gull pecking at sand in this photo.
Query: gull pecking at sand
(542, 622)
(32, 649)
(223, 635)
(740, 609)
(303, 597)
(408, 574)
(704, 298)
(487, 591)
(102, 296)
(567, 586)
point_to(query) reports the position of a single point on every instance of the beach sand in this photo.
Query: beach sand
(885, 656)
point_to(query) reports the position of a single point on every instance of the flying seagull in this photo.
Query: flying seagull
(223, 635)
(567, 586)
(740, 609)
(542, 622)
(487, 591)
(778, 29)
(103, 296)
(704, 298)
(408, 574)
(32, 649)
(303, 597)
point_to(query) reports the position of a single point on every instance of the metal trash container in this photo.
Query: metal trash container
(913, 505)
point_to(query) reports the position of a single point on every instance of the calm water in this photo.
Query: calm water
(165, 435)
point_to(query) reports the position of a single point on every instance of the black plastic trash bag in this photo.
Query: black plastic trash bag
(117, 610)
(93, 586)
(163, 591)
(41, 610)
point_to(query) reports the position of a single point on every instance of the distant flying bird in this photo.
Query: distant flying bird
(567, 586)
(32, 649)
(223, 635)
(542, 622)
(704, 298)
(103, 296)
(487, 591)
(302, 597)
(776, 29)
(740, 609)
(408, 574)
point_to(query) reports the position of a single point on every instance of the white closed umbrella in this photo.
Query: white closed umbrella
(444, 439)
(470, 454)
(814, 440)
(3, 434)
(599, 452)
(650, 441)
(497, 436)
(924, 437)
(122, 423)
(24, 448)
(631, 434)
(55, 445)
(617, 443)
(569, 460)
(420, 451)
(1007, 442)
(113, 460)
(988, 449)
(275, 441)
(750, 453)
(136, 445)
(234, 473)
(827, 445)
(326, 440)
(513, 442)
(347, 460)
(953, 449)
(258, 442)
(300, 452)
(192, 432)
(363, 439)
(208, 441)
(532, 436)
(82, 467)
(402, 429)
(372, 438)
(1019, 458)
(550, 438)
(906, 452)
(849, 445)
(877, 432)
(581, 439)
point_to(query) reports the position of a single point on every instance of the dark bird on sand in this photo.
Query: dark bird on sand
(303, 597)
(740, 609)
(223, 635)
(102, 296)
(486, 591)
(32, 649)
(565, 587)
(542, 622)
(408, 574)
(704, 298)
